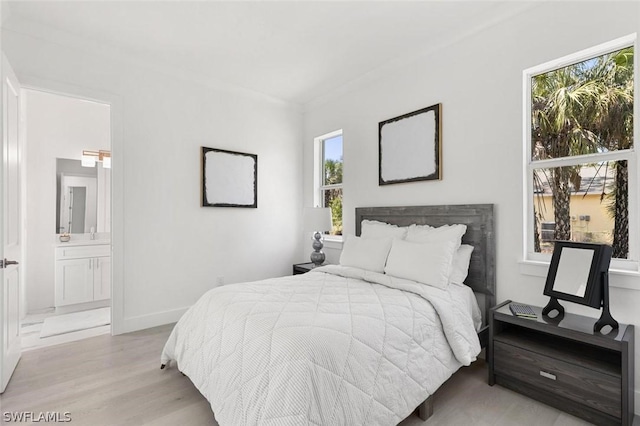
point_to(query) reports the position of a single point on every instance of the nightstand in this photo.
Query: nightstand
(564, 363)
(302, 268)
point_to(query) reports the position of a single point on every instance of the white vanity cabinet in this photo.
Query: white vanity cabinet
(83, 273)
(102, 278)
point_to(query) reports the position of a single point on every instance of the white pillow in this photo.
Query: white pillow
(460, 266)
(422, 234)
(421, 227)
(365, 253)
(427, 263)
(375, 229)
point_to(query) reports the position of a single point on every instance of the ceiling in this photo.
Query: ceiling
(294, 51)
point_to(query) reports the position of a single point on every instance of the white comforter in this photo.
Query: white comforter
(335, 346)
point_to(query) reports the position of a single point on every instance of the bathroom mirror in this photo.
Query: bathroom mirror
(82, 201)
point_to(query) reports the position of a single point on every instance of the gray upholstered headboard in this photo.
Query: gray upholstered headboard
(480, 234)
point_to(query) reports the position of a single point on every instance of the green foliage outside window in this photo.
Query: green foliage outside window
(584, 108)
(333, 197)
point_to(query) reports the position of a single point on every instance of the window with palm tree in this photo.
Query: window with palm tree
(581, 140)
(329, 183)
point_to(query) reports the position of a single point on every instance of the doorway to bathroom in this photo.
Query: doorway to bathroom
(67, 280)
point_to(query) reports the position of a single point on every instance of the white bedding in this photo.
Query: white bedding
(335, 346)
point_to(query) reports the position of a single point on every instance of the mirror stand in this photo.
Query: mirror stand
(553, 305)
(605, 317)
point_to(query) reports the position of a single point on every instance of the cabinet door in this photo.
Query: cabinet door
(74, 281)
(102, 278)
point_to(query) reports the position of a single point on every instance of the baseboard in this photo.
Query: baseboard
(142, 322)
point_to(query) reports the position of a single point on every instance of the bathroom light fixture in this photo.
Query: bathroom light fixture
(89, 158)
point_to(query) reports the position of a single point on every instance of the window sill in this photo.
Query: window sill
(618, 278)
(333, 241)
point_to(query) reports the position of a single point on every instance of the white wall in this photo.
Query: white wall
(56, 127)
(478, 80)
(172, 250)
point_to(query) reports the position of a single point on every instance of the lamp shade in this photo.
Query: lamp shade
(317, 219)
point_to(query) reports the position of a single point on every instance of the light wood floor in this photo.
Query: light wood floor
(116, 380)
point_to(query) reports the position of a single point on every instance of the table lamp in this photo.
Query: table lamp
(317, 220)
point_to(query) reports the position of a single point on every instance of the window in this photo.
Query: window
(328, 176)
(580, 162)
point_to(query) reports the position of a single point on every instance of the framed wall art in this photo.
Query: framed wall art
(410, 147)
(229, 178)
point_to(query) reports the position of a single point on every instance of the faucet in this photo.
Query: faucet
(92, 236)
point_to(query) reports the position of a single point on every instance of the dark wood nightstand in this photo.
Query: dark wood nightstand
(564, 363)
(302, 268)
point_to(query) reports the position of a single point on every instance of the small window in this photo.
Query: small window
(579, 113)
(328, 181)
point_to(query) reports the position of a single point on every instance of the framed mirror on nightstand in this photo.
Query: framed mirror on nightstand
(579, 273)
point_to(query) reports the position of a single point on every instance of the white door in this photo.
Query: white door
(10, 220)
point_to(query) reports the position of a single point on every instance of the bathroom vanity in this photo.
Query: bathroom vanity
(83, 264)
(83, 271)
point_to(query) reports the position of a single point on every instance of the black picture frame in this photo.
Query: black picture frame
(410, 147)
(229, 178)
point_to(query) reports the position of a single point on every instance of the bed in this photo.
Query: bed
(340, 344)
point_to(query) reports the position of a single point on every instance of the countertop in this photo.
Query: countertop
(83, 242)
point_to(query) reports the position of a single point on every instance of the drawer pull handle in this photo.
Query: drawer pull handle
(547, 375)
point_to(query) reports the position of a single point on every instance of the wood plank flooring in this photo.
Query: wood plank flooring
(116, 380)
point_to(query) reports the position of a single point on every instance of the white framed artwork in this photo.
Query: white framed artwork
(229, 178)
(410, 147)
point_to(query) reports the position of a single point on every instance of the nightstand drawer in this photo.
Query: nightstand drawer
(592, 388)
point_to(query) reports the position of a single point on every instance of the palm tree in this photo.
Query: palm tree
(558, 98)
(614, 125)
(581, 109)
